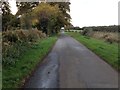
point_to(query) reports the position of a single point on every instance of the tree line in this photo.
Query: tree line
(112, 28)
(48, 17)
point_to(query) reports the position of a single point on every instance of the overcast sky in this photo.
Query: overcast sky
(94, 12)
(90, 12)
(13, 6)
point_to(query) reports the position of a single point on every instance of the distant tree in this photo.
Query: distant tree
(113, 28)
(6, 16)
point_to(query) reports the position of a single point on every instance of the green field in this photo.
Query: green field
(14, 76)
(108, 52)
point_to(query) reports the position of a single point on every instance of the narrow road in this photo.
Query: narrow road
(71, 65)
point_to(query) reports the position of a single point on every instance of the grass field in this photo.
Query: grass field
(108, 52)
(14, 76)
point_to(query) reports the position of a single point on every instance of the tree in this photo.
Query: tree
(6, 16)
(50, 18)
(26, 21)
(25, 7)
(65, 9)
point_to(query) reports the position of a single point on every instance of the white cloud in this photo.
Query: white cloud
(94, 12)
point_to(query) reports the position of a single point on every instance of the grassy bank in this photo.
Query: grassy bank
(14, 75)
(108, 52)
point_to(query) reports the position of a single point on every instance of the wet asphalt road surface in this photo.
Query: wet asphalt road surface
(46, 76)
(71, 65)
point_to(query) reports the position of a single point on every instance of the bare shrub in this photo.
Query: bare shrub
(21, 34)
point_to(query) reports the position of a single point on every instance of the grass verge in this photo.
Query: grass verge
(14, 76)
(108, 52)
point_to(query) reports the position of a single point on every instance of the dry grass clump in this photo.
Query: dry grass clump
(22, 35)
(9, 36)
(33, 35)
(107, 36)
